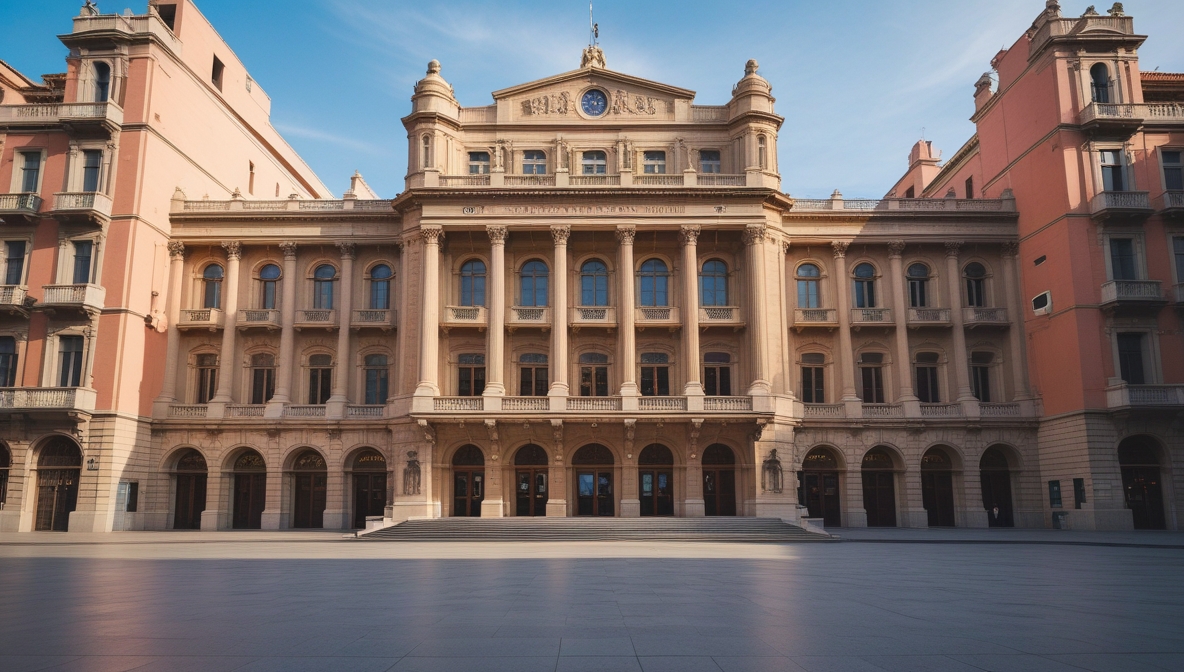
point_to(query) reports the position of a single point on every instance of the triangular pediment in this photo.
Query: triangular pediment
(624, 97)
(594, 76)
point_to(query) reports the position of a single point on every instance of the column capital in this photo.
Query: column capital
(625, 234)
(952, 248)
(840, 248)
(347, 250)
(177, 249)
(1009, 249)
(289, 249)
(689, 234)
(497, 234)
(754, 234)
(895, 249)
(785, 244)
(432, 235)
(234, 249)
(560, 234)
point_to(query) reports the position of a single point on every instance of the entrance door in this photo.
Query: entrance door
(657, 492)
(879, 498)
(369, 497)
(309, 509)
(468, 489)
(594, 493)
(937, 496)
(995, 476)
(530, 488)
(191, 501)
(719, 492)
(821, 490)
(57, 494)
(250, 495)
(1144, 497)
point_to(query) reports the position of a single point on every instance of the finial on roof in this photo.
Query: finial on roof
(1116, 10)
(89, 8)
(1090, 11)
(751, 67)
(433, 67)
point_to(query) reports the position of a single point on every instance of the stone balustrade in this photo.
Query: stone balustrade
(47, 398)
(1107, 203)
(815, 316)
(12, 295)
(465, 316)
(907, 204)
(861, 316)
(45, 114)
(201, 318)
(316, 317)
(19, 204)
(1125, 395)
(131, 25)
(975, 315)
(258, 317)
(372, 317)
(603, 316)
(656, 316)
(1132, 291)
(1138, 113)
(82, 203)
(82, 297)
(529, 316)
(929, 316)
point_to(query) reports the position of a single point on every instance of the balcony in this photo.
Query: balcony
(188, 410)
(644, 180)
(662, 404)
(1111, 119)
(593, 316)
(465, 316)
(529, 180)
(657, 316)
(1127, 396)
(304, 411)
(727, 403)
(19, 208)
(83, 206)
(595, 180)
(1170, 204)
(201, 318)
(365, 411)
(144, 24)
(464, 180)
(720, 316)
(529, 316)
(87, 298)
(526, 404)
(975, 316)
(1120, 205)
(929, 317)
(593, 403)
(458, 404)
(373, 318)
(12, 299)
(997, 409)
(315, 318)
(254, 318)
(824, 410)
(941, 410)
(883, 411)
(245, 410)
(1132, 294)
(47, 399)
(871, 317)
(815, 317)
(107, 117)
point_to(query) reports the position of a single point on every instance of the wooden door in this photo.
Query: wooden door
(1144, 497)
(369, 497)
(309, 509)
(996, 485)
(468, 489)
(530, 492)
(719, 492)
(879, 498)
(57, 495)
(250, 496)
(191, 501)
(937, 496)
(594, 493)
(822, 496)
(656, 492)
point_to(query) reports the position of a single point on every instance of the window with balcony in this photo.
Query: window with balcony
(376, 371)
(262, 377)
(1131, 362)
(654, 280)
(470, 376)
(808, 295)
(594, 283)
(713, 283)
(655, 374)
(1123, 263)
(533, 281)
(593, 374)
(83, 250)
(533, 375)
(472, 283)
(8, 359)
(320, 378)
(653, 162)
(593, 163)
(534, 162)
(269, 280)
(709, 161)
(380, 287)
(975, 275)
(102, 74)
(207, 378)
(478, 163)
(30, 171)
(211, 290)
(926, 368)
(322, 286)
(865, 286)
(980, 374)
(1173, 169)
(717, 374)
(813, 387)
(69, 361)
(92, 166)
(14, 262)
(1113, 178)
(918, 276)
(871, 374)
(1099, 83)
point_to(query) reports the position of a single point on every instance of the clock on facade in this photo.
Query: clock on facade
(594, 103)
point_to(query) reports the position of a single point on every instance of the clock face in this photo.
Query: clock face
(594, 103)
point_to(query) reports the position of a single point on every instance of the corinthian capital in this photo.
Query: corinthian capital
(432, 235)
(840, 248)
(497, 234)
(1010, 249)
(347, 250)
(754, 234)
(895, 249)
(689, 234)
(560, 234)
(234, 249)
(626, 234)
(952, 248)
(289, 249)
(176, 248)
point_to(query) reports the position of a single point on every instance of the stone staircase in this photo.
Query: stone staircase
(748, 530)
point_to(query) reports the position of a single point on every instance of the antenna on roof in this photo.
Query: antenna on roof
(593, 28)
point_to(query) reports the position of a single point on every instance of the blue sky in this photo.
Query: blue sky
(856, 81)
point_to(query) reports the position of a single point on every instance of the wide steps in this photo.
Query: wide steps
(765, 530)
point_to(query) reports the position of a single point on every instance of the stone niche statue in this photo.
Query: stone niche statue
(772, 477)
(411, 473)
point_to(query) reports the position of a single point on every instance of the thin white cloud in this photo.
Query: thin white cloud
(318, 135)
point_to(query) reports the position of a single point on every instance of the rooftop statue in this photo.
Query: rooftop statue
(593, 57)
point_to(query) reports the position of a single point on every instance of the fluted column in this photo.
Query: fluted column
(229, 315)
(559, 365)
(168, 391)
(754, 241)
(961, 358)
(1015, 332)
(285, 364)
(429, 335)
(690, 320)
(496, 345)
(900, 315)
(846, 356)
(628, 367)
(344, 312)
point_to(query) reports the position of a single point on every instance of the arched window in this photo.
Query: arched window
(713, 283)
(269, 277)
(594, 163)
(207, 377)
(1099, 76)
(534, 283)
(262, 377)
(380, 287)
(762, 151)
(927, 388)
(8, 359)
(322, 286)
(425, 151)
(918, 275)
(534, 162)
(472, 283)
(976, 284)
(533, 375)
(594, 283)
(320, 378)
(375, 370)
(102, 82)
(655, 280)
(808, 278)
(865, 286)
(212, 286)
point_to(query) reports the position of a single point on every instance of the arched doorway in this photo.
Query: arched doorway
(58, 469)
(310, 480)
(530, 481)
(190, 474)
(594, 480)
(468, 481)
(879, 488)
(656, 480)
(369, 472)
(995, 475)
(719, 481)
(1142, 489)
(937, 487)
(819, 491)
(250, 491)
(5, 465)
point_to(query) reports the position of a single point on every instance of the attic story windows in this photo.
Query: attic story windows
(478, 163)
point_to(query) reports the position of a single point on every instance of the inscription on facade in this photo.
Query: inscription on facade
(589, 210)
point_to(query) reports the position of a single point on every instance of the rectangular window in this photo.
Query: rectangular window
(709, 161)
(918, 292)
(865, 293)
(14, 262)
(30, 171)
(380, 294)
(320, 385)
(534, 162)
(873, 384)
(82, 257)
(927, 390)
(8, 358)
(970, 187)
(594, 381)
(478, 163)
(216, 73)
(808, 294)
(1078, 492)
(268, 299)
(717, 375)
(1054, 494)
(1122, 259)
(1173, 170)
(594, 163)
(250, 177)
(655, 381)
(813, 388)
(92, 164)
(376, 386)
(1112, 177)
(1178, 250)
(471, 376)
(980, 375)
(262, 384)
(533, 381)
(207, 378)
(654, 163)
(1130, 358)
(70, 354)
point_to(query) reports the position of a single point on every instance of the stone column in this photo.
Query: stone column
(846, 355)
(557, 474)
(496, 338)
(1015, 335)
(429, 335)
(558, 362)
(630, 495)
(340, 395)
(227, 357)
(493, 504)
(754, 241)
(783, 303)
(913, 505)
(961, 359)
(693, 506)
(690, 320)
(628, 367)
(284, 365)
(900, 313)
(168, 391)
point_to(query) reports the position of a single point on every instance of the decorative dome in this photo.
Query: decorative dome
(752, 82)
(433, 83)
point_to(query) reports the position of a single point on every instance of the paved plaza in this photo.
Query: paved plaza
(1015, 600)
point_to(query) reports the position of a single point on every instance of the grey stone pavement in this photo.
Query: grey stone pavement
(879, 600)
